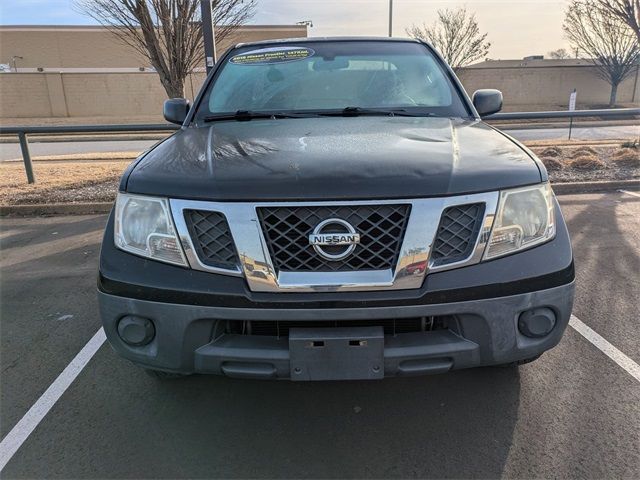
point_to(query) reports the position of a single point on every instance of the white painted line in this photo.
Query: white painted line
(27, 424)
(605, 347)
(635, 194)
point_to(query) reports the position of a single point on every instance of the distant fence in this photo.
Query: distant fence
(22, 132)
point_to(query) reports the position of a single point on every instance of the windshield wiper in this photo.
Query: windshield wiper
(357, 111)
(246, 115)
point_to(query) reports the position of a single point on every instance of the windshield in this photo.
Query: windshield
(321, 76)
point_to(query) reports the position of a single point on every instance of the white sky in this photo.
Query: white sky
(516, 28)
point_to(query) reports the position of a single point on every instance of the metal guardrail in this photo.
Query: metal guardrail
(608, 113)
(22, 132)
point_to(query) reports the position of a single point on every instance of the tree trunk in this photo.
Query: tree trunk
(176, 89)
(614, 94)
(172, 86)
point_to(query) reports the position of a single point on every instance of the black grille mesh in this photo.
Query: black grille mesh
(392, 326)
(381, 229)
(212, 238)
(457, 233)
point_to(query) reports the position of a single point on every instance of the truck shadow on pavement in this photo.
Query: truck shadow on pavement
(459, 424)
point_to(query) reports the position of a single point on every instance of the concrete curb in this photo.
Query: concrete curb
(55, 209)
(594, 187)
(105, 207)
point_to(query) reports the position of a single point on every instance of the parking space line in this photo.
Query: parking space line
(27, 424)
(635, 194)
(605, 347)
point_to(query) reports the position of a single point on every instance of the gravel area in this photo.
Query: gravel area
(585, 163)
(56, 182)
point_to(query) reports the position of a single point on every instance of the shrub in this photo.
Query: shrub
(551, 152)
(582, 151)
(626, 157)
(552, 163)
(587, 162)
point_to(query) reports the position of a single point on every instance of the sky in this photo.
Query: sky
(516, 28)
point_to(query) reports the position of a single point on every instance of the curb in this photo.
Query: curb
(594, 187)
(55, 209)
(105, 207)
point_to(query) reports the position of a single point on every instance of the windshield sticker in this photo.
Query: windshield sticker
(269, 56)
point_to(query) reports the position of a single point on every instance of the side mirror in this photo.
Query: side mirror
(487, 101)
(175, 110)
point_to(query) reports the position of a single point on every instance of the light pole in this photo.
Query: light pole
(390, 18)
(209, 34)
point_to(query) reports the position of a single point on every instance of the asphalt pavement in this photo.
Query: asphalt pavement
(574, 413)
(11, 151)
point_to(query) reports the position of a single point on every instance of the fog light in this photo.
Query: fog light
(537, 323)
(136, 331)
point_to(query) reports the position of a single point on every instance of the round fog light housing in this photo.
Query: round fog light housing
(537, 323)
(136, 331)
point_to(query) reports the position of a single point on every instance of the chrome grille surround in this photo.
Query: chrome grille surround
(287, 229)
(257, 267)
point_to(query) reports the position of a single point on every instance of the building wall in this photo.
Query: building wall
(124, 93)
(548, 85)
(96, 47)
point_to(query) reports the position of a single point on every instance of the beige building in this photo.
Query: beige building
(55, 47)
(548, 83)
(88, 76)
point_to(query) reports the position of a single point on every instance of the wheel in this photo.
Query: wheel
(160, 375)
(519, 362)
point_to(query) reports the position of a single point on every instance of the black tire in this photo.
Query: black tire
(519, 362)
(160, 375)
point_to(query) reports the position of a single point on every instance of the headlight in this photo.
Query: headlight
(144, 226)
(525, 218)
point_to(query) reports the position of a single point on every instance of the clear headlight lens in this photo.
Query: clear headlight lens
(525, 218)
(143, 226)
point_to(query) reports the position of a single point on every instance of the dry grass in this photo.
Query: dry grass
(584, 151)
(626, 157)
(60, 182)
(587, 162)
(551, 152)
(552, 164)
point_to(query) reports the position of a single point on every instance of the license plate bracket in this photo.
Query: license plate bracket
(350, 353)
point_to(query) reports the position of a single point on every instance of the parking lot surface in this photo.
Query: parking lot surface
(574, 413)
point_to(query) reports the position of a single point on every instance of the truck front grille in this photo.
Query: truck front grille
(212, 239)
(457, 233)
(381, 229)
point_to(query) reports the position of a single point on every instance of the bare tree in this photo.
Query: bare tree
(626, 10)
(559, 54)
(608, 42)
(456, 35)
(167, 32)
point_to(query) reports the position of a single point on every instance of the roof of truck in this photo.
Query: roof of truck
(328, 39)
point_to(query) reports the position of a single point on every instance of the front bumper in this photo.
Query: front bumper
(188, 339)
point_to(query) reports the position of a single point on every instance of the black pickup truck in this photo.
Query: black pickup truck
(334, 209)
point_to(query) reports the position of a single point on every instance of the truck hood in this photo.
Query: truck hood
(332, 159)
